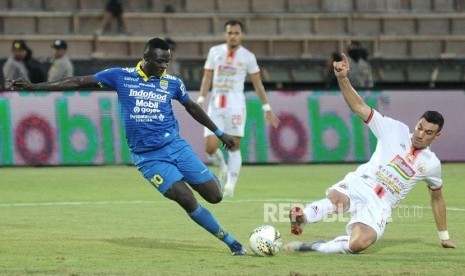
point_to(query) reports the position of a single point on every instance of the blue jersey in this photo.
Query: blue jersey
(145, 104)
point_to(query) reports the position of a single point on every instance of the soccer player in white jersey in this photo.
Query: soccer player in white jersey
(401, 159)
(227, 66)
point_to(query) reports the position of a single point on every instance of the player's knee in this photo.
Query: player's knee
(214, 199)
(211, 149)
(183, 196)
(188, 203)
(211, 145)
(359, 244)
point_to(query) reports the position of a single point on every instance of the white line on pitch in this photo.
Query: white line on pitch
(228, 201)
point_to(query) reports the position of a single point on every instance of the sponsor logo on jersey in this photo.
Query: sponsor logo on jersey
(402, 167)
(169, 77)
(147, 95)
(131, 79)
(129, 69)
(130, 85)
(142, 118)
(183, 89)
(162, 91)
(151, 84)
(226, 71)
(386, 182)
(150, 104)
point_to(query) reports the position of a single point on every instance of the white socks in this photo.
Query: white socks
(338, 245)
(318, 210)
(234, 167)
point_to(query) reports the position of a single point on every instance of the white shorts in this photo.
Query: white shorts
(365, 207)
(230, 120)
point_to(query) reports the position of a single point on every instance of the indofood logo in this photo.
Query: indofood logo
(141, 94)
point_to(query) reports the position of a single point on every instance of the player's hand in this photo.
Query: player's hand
(18, 84)
(341, 68)
(273, 119)
(448, 244)
(227, 140)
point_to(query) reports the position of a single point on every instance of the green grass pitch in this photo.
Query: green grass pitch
(110, 221)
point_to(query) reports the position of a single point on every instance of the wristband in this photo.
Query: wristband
(200, 99)
(443, 235)
(218, 132)
(266, 107)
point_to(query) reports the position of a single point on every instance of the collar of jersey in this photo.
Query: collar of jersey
(143, 75)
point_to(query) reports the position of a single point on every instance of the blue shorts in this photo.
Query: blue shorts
(174, 162)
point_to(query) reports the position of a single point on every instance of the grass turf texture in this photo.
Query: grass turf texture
(110, 221)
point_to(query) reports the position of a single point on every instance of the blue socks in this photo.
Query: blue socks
(205, 219)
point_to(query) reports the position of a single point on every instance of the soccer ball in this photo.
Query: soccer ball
(265, 240)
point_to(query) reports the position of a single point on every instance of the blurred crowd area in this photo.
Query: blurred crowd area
(407, 43)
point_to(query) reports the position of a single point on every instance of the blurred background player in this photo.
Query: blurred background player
(15, 65)
(401, 159)
(61, 66)
(161, 155)
(227, 66)
(113, 10)
(361, 74)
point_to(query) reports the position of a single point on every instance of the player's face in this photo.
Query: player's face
(233, 36)
(58, 53)
(425, 133)
(19, 54)
(156, 61)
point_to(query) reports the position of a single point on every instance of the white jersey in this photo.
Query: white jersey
(395, 166)
(230, 69)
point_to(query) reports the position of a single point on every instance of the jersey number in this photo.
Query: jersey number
(157, 180)
(236, 119)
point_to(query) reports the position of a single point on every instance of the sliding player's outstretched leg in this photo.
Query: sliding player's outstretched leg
(180, 193)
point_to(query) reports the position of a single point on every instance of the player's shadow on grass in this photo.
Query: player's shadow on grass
(142, 242)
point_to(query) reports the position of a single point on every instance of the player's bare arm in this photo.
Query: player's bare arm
(200, 116)
(260, 90)
(58, 85)
(438, 206)
(205, 86)
(352, 98)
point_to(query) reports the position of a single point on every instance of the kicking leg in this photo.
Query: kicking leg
(209, 190)
(181, 194)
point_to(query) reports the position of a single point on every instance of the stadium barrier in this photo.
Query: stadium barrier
(84, 128)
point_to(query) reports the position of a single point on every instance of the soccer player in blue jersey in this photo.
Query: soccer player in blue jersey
(165, 159)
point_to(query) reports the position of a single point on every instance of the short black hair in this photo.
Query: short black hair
(434, 117)
(157, 43)
(171, 43)
(234, 22)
